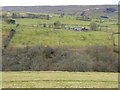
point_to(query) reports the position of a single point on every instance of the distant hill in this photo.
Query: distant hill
(70, 9)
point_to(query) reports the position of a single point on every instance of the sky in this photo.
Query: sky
(55, 2)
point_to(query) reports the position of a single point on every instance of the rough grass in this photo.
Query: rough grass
(52, 79)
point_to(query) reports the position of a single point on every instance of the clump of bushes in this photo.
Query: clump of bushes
(104, 59)
(41, 58)
(9, 21)
(94, 26)
(7, 40)
(57, 25)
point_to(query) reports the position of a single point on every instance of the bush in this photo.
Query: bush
(92, 58)
(93, 26)
(104, 58)
(57, 25)
(9, 21)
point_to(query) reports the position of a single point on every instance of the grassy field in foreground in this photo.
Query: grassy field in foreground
(50, 79)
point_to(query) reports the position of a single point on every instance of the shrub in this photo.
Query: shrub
(57, 25)
(92, 58)
(93, 26)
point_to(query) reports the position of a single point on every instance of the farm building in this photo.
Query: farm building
(77, 28)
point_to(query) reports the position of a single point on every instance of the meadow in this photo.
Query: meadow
(58, 79)
(31, 33)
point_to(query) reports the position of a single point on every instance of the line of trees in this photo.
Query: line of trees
(83, 18)
(39, 58)
(7, 40)
(27, 15)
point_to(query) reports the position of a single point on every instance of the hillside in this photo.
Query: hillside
(70, 9)
(61, 42)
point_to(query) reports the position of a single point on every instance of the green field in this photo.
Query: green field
(58, 79)
(30, 33)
